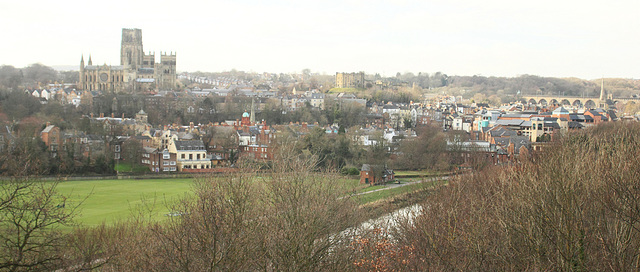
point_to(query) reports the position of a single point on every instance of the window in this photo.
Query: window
(183, 156)
(166, 156)
(165, 169)
(173, 169)
(165, 163)
(172, 163)
(198, 156)
(191, 156)
(117, 148)
(116, 156)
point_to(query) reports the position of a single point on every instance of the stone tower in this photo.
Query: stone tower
(166, 70)
(131, 52)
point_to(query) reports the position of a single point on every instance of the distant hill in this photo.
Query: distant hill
(507, 88)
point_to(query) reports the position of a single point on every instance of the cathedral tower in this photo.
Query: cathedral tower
(131, 53)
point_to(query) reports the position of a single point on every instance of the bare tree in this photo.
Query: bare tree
(30, 216)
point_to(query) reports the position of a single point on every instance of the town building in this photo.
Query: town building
(191, 155)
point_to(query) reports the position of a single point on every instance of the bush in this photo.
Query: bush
(292, 220)
(349, 171)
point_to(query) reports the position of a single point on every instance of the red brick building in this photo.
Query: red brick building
(52, 138)
(375, 174)
(159, 161)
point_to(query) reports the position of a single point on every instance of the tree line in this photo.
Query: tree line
(32, 76)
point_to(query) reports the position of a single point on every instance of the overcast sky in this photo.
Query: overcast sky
(586, 39)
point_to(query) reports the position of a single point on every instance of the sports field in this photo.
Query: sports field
(112, 200)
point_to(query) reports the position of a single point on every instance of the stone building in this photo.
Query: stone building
(137, 71)
(350, 80)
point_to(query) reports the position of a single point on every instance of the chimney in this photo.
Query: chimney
(48, 124)
(123, 116)
(102, 115)
(112, 115)
(304, 125)
(92, 115)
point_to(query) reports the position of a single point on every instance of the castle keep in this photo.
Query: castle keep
(350, 80)
(137, 71)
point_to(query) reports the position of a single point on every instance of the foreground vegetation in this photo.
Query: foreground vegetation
(572, 207)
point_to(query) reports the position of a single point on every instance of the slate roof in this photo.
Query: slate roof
(390, 107)
(520, 141)
(573, 124)
(515, 122)
(189, 145)
(48, 128)
(560, 110)
(502, 132)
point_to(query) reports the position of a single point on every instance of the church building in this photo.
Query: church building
(137, 71)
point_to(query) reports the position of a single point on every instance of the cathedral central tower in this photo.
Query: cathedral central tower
(131, 52)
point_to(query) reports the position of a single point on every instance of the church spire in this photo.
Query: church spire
(82, 60)
(252, 119)
(89, 62)
(602, 95)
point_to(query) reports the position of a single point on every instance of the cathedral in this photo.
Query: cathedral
(137, 71)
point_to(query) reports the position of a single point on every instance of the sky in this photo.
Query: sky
(561, 38)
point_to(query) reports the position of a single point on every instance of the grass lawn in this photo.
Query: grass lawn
(371, 197)
(376, 187)
(353, 183)
(417, 173)
(112, 200)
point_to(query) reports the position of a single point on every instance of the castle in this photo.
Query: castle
(137, 71)
(350, 80)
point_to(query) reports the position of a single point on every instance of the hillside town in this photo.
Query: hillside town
(498, 135)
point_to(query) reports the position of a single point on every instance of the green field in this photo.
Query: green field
(112, 200)
(374, 196)
(418, 173)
